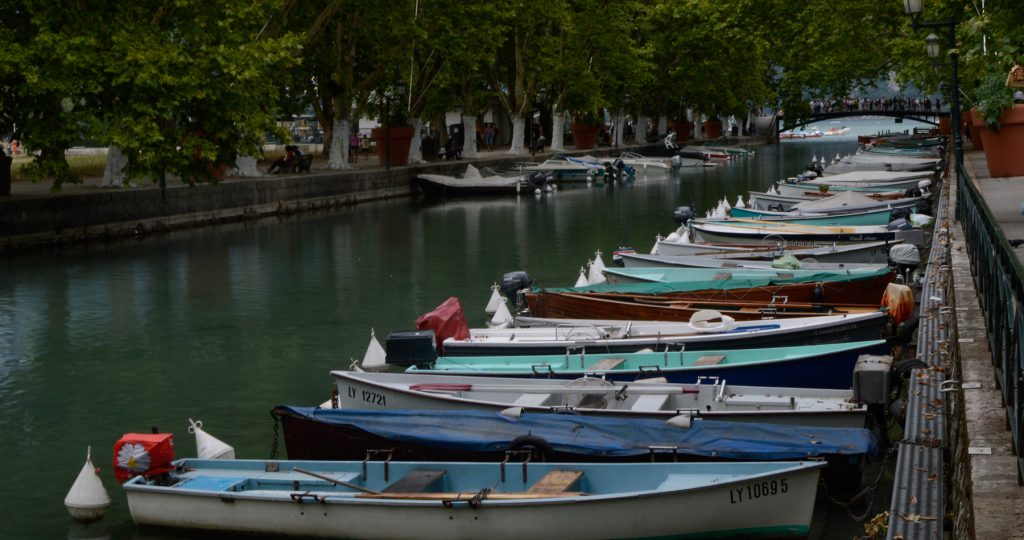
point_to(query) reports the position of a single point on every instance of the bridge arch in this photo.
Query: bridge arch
(925, 117)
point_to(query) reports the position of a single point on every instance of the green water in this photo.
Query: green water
(224, 323)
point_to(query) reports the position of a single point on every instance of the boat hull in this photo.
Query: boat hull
(873, 217)
(770, 334)
(650, 514)
(436, 188)
(752, 235)
(867, 252)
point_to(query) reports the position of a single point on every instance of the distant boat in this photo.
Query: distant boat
(473, 182)
(442, 501)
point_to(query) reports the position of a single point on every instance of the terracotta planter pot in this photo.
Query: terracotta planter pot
(683, 130)
(973, 131)
(584, 136)
(713, 129)
(400, 139)
(944, 127)
(1004, 148)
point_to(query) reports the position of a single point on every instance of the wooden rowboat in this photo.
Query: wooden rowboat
(479, 500)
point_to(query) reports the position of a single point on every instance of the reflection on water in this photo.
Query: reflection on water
(225, 323)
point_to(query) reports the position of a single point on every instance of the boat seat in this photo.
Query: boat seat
(722, 276)
(650, 402)
(531, 400)
(556, 481)
(606, 364)
(415, 481)
(711, 360)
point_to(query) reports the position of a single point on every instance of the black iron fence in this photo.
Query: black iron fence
(999, 280)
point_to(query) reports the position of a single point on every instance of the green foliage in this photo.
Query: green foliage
(993, 98)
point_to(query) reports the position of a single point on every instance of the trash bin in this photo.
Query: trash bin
(5, 174)
(455, 132)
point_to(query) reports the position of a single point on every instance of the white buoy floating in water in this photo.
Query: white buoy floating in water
(502, 317)
(582, 280)
(492, 304)
(739, 202)
(87, 501)
(375, 358)
(208, 446)
(814, 158)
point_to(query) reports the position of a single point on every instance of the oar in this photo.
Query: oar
(632, 388)
(336, 481)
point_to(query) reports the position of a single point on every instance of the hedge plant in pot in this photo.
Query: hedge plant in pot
(585, 127)
(395, 136)
(1001, 126)
(713, 128)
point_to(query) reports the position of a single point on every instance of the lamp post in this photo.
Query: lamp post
(388, 97)
(914, 9)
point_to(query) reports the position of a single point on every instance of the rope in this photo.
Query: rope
(871, 491)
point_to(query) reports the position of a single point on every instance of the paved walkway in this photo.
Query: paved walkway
(1003, 196)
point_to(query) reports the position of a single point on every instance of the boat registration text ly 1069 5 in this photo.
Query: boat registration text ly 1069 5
(758, 490)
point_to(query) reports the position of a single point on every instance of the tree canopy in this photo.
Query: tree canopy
(183, 87)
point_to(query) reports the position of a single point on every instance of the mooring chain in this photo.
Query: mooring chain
(273, 445)
(871, 490)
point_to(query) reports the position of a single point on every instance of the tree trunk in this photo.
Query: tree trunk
(617, 128)
(113, 172)
(341, 130)
(246, 167)
(557, 130)
(517, 147)
(662, 125)
(640, 129)
(469, 136)
(415, 155)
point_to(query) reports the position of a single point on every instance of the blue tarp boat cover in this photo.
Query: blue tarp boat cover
(600, 436)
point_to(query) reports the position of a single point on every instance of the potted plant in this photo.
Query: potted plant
(394, 136)
(713, 128)
(1001, 126)
(683, 129)
(585, 127)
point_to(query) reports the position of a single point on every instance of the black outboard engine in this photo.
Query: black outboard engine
(537, 180)
(923, 207)
(815, 168)
(610, 172)
(899, 213)
(899, 225)
(905, 258)
(682, 214)
(913, 192)
(512, 283)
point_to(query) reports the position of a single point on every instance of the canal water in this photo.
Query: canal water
(222, 324)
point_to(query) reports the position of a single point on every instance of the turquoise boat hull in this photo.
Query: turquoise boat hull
(881, 216)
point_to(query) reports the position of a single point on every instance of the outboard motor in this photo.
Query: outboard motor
(537, 180)
(905, 258)
(610, 172)
(923, 207)
(815, 168)
(899, 225)
(677, 162)
(512, 283)
(899, 213)
(682, 214)
(776, 207)
(913, 192)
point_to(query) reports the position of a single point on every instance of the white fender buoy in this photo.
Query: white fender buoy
(814, 158)
(657, 238)
(554, 187)
(375, 358)
(725, 204)
(548, 189)
(537, 192)
(672, 237)
(208, 446)
(582, 280)
(492, 304)
(87, 501)
(596, 277)
(590, 179)
(503, 316)
(684, 238)
(683, 421)
(739, 202)
(822, 161)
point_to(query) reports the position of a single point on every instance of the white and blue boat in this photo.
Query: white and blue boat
(880, 216)
(808, 366)
(444, 501)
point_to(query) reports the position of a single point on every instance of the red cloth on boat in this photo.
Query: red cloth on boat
(446, 320)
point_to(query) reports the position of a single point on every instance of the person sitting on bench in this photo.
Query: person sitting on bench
(291, 152)
(452, 150)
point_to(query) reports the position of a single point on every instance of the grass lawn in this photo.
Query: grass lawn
(86, 165)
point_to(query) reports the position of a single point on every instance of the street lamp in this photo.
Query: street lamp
(914, 9)
(388, 97)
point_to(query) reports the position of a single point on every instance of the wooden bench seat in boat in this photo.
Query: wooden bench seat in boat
(415, 481)
(531, 400)
(650, 402)
(556, 481)
(606, 364)
(711, 360)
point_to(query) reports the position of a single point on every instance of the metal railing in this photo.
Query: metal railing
(999, 280)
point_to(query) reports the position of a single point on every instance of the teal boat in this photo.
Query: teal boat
(498, 501)
(880, 216)
(807, 366)
(741, 275)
